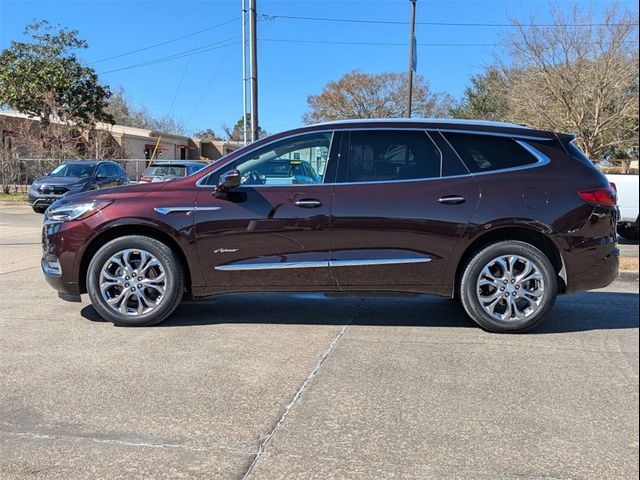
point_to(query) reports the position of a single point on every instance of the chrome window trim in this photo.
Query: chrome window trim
(541, 157)
(320, 264)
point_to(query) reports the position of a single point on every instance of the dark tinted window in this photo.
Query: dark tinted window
(451, 163)
(377, 156)
(482, 153)
(112, 170)
(102, 170)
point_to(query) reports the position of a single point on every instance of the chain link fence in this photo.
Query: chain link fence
(16, 175)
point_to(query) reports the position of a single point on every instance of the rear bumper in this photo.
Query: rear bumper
(602, 272)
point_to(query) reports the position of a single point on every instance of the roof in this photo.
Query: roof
(438, 121)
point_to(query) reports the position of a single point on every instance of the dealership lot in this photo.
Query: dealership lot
(303, 386)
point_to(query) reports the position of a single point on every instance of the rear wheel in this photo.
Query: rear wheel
(135, 281)
(39, 209)
(509, 286)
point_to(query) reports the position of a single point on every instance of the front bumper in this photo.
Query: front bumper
(41, 200)
(61, 254)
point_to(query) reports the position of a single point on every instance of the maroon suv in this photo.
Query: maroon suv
(502, 216)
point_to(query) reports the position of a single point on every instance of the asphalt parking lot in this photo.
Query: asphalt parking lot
(302, 386)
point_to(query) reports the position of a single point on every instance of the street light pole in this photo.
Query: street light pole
(253, 58)
(412, 54)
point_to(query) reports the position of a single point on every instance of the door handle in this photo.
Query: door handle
(308, 203)
(452, 200)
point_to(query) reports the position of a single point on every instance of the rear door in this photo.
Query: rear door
(401, 202)
(266, 233)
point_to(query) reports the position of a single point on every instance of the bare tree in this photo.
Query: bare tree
(580, 74)
(380, 95)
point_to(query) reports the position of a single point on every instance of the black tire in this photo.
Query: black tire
(170, 263)
(630, 232)
(39, 209)
(469, 290)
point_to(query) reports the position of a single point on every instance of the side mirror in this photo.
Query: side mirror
(229, 180)
(101, 176)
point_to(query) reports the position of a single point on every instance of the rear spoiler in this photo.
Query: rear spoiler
(566, 137)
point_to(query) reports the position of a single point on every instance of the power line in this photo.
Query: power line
(394, 44)
(175, 39)
(271, 18)
(383, 44)
(195, 51)
(209, 83)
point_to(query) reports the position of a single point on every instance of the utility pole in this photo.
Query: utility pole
(244, 71)
(253, 58)
(412, 54)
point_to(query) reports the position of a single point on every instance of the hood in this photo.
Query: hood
(132, 190)
(49, 180)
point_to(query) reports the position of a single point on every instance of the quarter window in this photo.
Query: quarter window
(378, 156)
(482, 153)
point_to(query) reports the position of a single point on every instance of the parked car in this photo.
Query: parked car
(170, 170)
(501, 216)
(76, 176)
(627, 187)
(281, 171)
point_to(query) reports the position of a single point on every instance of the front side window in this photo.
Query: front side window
(378, 156)
(112, 170)
(293, 161)
(482, 153)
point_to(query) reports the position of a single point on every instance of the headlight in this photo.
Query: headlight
(75, 211)
(76, 187)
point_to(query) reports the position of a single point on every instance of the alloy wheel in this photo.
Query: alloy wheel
(133, 282)
(510, 287)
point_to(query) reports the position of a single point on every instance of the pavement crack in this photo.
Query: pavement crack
(20, 270)
(265, 443)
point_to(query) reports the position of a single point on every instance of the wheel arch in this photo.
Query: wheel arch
(121, 231)
(520, 233)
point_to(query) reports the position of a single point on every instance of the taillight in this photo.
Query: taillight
(613, 185)
(599, 196)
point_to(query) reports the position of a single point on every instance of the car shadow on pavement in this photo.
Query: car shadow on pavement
(572, 313)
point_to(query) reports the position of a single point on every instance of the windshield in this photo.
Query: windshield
(166, 170)
(73, 170)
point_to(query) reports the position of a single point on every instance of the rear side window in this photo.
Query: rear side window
(377, 156)
(484, 153)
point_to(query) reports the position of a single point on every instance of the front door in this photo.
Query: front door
(272, 230)
(401, 202)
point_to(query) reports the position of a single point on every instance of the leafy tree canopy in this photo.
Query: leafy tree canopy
(44, 78)
(378, 95)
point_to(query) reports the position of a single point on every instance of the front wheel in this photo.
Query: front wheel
(509, 287)
(135, 281)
